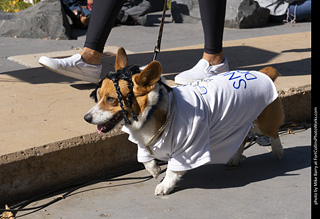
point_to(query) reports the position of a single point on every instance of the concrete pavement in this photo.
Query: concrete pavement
(261, 187)
(53, 101)
(43, 135)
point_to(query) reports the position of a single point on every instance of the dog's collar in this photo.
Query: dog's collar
(164, 126)
(154, 107)
(160, 97)
(167, 87)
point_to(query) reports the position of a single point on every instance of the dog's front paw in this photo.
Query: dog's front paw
(153, 168)
(169, 182)
(163, 188)
(155, 172)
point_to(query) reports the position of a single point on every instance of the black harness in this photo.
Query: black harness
(124, 74)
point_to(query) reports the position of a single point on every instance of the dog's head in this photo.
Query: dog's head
(123, 94)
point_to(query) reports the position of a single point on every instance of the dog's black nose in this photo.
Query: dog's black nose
(88, 117)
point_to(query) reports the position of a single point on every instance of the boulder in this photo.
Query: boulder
(239, 13)
(245, 14)
(45, 19)
(185, 11)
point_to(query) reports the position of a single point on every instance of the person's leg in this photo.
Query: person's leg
(300, 10)
(103, 16)
(87, 65)
(212, 17)
(132, 15)
(213, 60)
(137, 13)
(297, 11)
(140, 9)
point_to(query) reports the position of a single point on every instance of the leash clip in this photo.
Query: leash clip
(156, 51)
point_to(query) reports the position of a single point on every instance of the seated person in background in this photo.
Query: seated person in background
(134, 12)
(287, 11)
(79, 11)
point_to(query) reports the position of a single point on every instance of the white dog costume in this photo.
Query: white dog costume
(211, 118)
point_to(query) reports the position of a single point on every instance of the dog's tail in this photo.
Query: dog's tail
(271, 72)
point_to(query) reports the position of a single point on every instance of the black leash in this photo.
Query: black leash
(72, 190)
(158, 44)
(286, 128)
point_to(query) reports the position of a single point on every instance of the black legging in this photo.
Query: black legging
(212, 17)
(104, 14)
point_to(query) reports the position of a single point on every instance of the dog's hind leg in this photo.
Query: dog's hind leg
(277, 148)
(269, 122)
(237, 157)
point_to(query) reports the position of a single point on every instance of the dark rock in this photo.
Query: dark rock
(239, 13)
(245, 14)
(185, 11)
(45, 19)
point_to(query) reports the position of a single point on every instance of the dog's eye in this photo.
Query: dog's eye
(110, 99)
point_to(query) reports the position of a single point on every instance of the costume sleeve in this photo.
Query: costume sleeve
(143, 154)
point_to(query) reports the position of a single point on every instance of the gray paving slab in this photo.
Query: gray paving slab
(135, 38)
(51, 110)
(261, 187)
(138, 38)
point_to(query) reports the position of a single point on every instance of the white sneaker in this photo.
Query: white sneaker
(73, 67)
(201, 70)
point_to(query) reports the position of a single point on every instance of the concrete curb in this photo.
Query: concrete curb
(41, 169)
(294, 97)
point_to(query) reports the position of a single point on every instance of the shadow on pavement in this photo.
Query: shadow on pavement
(174, 62)
(253, 169)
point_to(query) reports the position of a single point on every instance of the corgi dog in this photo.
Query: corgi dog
(189, 125)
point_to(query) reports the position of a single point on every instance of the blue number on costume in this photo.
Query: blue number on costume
(203, 90)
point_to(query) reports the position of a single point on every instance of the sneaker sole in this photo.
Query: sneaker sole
(183, 81)
(55, 68)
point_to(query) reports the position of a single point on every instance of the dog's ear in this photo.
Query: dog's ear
(121, 59)
(150, 75)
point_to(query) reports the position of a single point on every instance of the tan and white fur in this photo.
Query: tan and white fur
(146, 95)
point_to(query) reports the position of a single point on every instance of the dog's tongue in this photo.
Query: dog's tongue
(100, 128)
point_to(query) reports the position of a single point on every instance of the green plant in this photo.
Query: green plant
(14, 5)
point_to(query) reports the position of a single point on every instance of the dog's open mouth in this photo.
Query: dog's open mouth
(111, 123)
